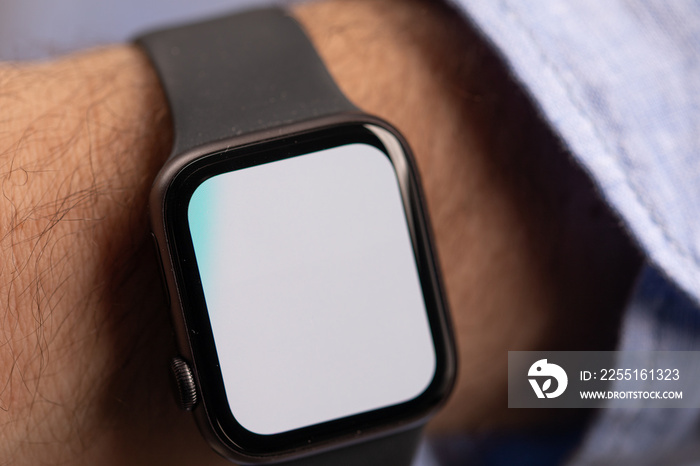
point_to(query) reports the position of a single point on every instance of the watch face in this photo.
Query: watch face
(307, 286)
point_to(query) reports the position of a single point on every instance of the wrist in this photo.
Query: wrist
(83, 138)
(88, 135)
(85, 333)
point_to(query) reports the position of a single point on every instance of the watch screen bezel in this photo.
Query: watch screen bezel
(195, 316)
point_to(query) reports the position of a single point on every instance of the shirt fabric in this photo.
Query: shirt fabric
(619, 82)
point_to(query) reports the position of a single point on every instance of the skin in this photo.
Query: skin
(530, 260)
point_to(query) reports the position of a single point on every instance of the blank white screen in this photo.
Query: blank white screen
(312, 288)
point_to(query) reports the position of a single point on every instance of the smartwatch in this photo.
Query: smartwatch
(295, 247)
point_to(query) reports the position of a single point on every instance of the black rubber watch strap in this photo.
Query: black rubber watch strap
(245, 73)
(239, 74)
(395, 450)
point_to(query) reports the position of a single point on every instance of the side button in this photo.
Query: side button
(185, 389)
(159, 259)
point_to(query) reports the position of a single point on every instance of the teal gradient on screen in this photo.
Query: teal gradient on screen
(202, 222)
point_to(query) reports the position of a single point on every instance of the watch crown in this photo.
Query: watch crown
(185, 388)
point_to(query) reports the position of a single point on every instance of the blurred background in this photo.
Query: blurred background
(36, 29)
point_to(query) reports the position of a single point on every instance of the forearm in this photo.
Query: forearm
(81, 139)
(85, 336)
